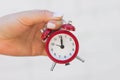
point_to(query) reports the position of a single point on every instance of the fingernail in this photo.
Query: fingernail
(56, 14)
(51, 25)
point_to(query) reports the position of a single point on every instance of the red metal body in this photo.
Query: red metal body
(65, 29)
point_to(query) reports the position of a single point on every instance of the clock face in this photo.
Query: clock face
(62, 46)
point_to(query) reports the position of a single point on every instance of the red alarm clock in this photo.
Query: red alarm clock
(62, 46)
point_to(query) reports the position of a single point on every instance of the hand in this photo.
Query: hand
(20, 32)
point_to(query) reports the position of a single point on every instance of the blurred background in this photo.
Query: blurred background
(98, 29)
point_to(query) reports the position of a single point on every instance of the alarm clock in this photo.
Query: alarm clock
(61, 45)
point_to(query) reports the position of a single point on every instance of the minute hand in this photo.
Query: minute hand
(61, 40)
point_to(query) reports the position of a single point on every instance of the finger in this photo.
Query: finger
(57, 16)
(36, 16)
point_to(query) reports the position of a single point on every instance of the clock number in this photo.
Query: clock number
(72, 49)
(70, 39)
(70, 54)
(65, 36)
(54, 54)
(52, 44)
(59, 36)
(73, 44)
(55, 39)
(51, 49)
(59, 56)
(64, 56)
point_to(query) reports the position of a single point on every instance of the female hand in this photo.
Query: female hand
(20, 32)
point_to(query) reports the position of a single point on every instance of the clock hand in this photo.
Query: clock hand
(61, 40)
(61, 46)
(58, 45)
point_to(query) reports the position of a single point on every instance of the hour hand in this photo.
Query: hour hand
(61, 46)
(58, 45)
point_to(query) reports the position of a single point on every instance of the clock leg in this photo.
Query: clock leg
(67, 64)
(53, 66)
(79, 58)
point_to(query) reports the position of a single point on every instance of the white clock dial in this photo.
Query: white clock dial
(62, 46)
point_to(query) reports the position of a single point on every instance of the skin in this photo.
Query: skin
(20, 32)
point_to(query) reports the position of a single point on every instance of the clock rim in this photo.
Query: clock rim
(56, 33)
